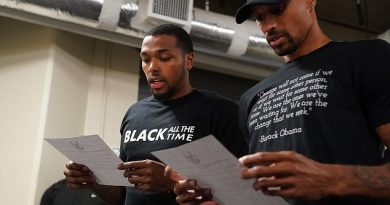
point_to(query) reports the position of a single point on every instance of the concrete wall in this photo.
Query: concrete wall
(56, 84)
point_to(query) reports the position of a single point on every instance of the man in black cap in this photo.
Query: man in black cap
(319, 125)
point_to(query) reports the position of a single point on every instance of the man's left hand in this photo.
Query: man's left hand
(147, 175)
(289, 174)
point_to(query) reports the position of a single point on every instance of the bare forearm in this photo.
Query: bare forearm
(113, 195)
(372, 181)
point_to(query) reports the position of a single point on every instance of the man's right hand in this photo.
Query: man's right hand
(79, 176)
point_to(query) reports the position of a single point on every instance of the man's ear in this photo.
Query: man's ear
(311, 4)
(189, 60)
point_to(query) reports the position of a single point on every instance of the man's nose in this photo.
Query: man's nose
(153, 66)
(268, 24)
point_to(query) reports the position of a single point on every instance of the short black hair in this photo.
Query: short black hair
(183, 38)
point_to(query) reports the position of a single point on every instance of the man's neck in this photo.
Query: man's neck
(304, 52)
(315, 40)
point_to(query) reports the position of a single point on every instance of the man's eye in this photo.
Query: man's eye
(258, 19)
(165, 58)
(145, 60)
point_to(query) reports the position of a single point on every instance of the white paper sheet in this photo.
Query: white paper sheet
(94, 153)
(213, 166)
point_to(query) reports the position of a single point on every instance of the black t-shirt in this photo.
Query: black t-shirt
(325, 105)
(152, 125)
(60, 194)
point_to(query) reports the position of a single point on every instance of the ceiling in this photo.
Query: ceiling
(340, 19)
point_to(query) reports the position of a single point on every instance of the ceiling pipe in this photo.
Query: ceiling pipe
(219, 35)
(87, 9)
(212, 33)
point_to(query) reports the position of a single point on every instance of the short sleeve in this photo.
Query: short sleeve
(374, 81)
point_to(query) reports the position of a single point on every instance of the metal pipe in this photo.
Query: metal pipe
(88, 9)
(211, 33)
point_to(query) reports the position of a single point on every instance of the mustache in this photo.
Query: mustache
(272, 34)
(154, 77)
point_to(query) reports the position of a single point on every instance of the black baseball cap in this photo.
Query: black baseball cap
(245, 10)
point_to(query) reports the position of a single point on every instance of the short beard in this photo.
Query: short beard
(165, 96)
(289, 48)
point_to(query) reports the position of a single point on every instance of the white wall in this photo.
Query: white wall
(113, 87)
(56, 84)
(67, 100)
(385, 35)
(24, 70)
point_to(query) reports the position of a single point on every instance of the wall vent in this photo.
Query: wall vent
(155, 12)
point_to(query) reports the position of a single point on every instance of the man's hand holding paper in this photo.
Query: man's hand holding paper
(214, 168)
(92, 161)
